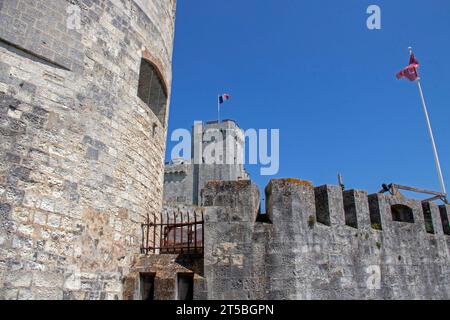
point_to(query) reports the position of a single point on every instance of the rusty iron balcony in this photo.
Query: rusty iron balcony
(174, 232)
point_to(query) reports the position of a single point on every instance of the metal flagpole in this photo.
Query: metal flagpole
(218, 109)
(430, 131)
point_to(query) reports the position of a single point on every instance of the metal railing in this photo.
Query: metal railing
(177, 231)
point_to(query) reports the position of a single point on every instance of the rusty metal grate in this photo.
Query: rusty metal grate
(177, 231)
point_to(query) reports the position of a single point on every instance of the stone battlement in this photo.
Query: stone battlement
(322, 243)
(328, 205)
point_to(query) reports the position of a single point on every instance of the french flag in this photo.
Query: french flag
(224, 97)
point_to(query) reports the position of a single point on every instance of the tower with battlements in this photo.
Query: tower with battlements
(217, 154)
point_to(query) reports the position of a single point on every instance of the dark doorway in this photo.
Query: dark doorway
(185, 286)
(147, 286)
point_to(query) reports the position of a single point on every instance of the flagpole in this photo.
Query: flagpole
(430, 131)
(218, 109)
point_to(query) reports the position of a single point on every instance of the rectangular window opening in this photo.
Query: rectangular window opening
(147, 286)
(185, 286)
(402, 213)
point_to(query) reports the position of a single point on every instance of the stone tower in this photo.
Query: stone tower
(217, 154)
(84, 92)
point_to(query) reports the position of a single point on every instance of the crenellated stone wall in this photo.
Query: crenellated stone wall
(81, 156)
(322, 243)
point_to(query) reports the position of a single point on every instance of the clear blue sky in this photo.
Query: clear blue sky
(312, 69)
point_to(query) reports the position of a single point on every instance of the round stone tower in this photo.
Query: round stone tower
(84, 94)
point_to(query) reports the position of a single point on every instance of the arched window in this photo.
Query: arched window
(151, 89)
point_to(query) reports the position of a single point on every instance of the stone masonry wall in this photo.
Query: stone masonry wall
(80, 164)
(179, 183)
(356, 251)
(165, 268)
(234, 243)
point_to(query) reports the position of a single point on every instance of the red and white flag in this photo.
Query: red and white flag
(410, 72)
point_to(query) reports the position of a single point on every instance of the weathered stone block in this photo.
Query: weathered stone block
(233, 194)
(46, 293)
(48, 279)
(329, 205)
(290, 200)
(356, 207)
(18, 279)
